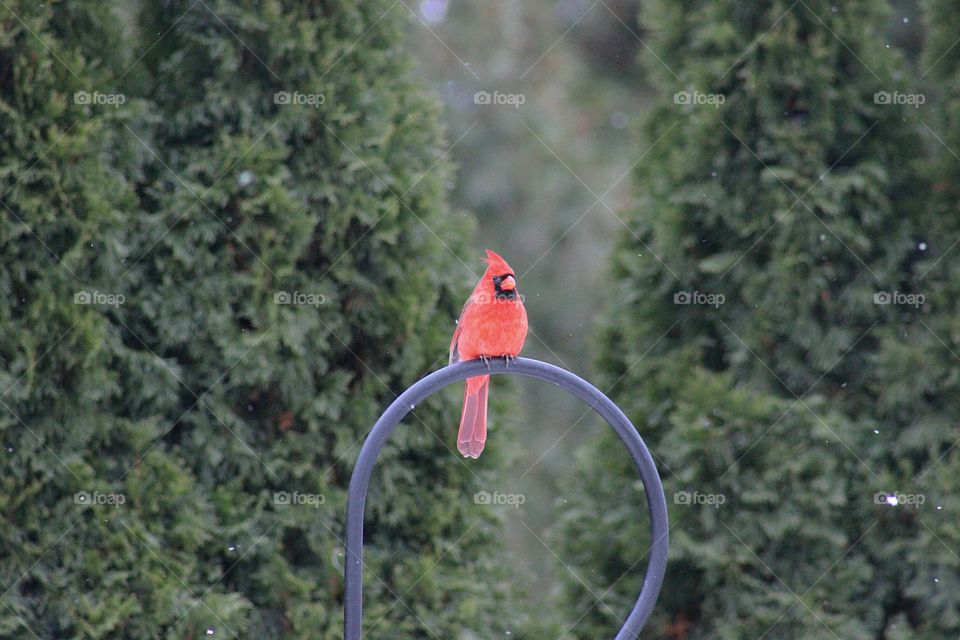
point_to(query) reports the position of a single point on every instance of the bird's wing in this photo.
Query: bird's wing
(454, 343)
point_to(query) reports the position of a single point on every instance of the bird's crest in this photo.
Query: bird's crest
(496, 264)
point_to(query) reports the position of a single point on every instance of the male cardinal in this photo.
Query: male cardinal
(492, 324)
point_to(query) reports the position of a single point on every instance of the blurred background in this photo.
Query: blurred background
(233, 232)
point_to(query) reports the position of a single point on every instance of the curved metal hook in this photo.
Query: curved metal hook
(430, 384)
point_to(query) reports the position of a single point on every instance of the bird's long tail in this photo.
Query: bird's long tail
(473, 421)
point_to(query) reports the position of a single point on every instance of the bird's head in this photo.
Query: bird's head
(500, 277)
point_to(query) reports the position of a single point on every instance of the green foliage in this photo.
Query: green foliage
(798, 398)
(200, 398)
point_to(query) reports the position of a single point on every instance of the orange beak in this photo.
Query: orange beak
(508, 284)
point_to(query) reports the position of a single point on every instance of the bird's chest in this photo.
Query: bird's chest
(495, 329)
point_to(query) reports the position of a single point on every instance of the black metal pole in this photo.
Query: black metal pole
(423, 388)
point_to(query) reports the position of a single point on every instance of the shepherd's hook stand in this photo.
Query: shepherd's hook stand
(427, 386)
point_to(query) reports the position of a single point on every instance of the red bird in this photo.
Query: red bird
(492, 324)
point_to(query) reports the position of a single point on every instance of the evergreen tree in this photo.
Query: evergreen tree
(62, 247)
(270, 202)
(916, 382)
(780, 184)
